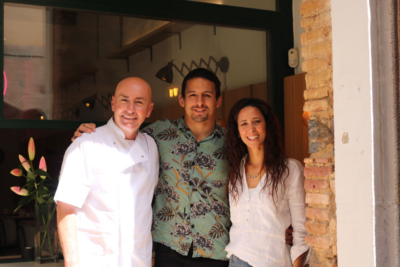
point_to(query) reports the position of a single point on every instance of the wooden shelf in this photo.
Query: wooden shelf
(164, 32)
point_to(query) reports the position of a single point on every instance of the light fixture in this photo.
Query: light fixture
(90, 101)
(166, 74)
(173, 92)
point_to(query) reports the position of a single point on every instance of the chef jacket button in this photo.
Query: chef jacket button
(247, 210)
(142, 156)
(114, 143)
(247, 219)
(192, 225)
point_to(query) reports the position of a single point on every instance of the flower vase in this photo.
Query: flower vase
(46, 234)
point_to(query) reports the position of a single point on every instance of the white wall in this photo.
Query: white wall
(354, 160)
(297, 31)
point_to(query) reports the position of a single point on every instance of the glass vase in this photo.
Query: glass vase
(46, 234)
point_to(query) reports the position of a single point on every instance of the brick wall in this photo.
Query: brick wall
(319, 171)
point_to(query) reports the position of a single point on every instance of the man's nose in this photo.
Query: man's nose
(131, 107)
(200, 101)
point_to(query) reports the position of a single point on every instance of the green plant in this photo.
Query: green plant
(38, 187)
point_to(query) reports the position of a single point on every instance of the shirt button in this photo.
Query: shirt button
(142, 156)
(247, 219)
(248, 201)
(247, 210)
(192, 225)
(198, 144)
(191, 205)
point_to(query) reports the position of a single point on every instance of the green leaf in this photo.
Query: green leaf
(25, 200)
(50, 201)
(40, 200)
(41, 172)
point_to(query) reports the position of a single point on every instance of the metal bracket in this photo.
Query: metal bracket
(180, 40)
(151, 51)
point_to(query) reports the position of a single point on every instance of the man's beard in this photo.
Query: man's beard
(199, 119)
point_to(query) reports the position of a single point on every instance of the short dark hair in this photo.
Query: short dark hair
(205, 74)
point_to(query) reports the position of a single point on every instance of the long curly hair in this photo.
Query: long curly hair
(275, 159)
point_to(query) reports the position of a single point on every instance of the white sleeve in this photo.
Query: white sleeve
(76, 175)
(297, 206)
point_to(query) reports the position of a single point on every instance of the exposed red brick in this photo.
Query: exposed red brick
(316, 105)
(316, 228)
(311, 7)
(308, 161)
(316, 93)
(316, 185)
(317, 214)
(323, 161)
(318, 171)
(318, 241)
(318, 199)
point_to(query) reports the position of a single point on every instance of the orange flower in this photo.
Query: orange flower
(31, 149)
(16, 172)
(43, 166)
(17, 190)
(25, 163)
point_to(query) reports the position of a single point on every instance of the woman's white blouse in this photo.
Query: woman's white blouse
(258, 228)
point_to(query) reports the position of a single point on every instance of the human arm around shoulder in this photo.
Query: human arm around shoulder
(295, 194)
(66, 223)
(84, 128)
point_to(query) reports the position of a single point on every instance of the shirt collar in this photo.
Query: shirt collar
(115, 129)
(218, 131)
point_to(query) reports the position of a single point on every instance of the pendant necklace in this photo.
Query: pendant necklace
(252, 177)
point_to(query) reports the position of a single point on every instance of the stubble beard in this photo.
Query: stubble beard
(199, 119)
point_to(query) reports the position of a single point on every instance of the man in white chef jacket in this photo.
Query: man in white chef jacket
(107, 184)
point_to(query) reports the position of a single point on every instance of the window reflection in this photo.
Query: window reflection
(65, 64)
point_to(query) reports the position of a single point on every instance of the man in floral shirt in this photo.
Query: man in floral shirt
(191, 209)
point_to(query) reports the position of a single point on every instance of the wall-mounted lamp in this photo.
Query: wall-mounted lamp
(166, 74)
(173, 92)
(90, 101)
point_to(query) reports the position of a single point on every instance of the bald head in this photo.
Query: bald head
(135, 83)
(131, 104)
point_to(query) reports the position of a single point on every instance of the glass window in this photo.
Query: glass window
(256, 4)
(65, 64)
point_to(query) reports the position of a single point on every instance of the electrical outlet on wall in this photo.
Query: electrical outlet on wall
(293, 56)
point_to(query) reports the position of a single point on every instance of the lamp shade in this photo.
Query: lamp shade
(90, 101)
(165, 74)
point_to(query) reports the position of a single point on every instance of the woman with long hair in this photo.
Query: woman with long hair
(266, 190)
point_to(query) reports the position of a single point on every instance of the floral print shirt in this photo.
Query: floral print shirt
(191, 200)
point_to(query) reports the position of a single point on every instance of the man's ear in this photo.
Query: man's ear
(150, 110)
(219, 101)
(181, 101)
(113, 103)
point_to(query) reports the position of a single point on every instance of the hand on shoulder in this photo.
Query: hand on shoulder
(84, 128)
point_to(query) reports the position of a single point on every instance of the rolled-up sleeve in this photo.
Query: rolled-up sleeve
(296, 196)
(76, 175)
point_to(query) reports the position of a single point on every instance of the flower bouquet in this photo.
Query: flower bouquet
(40, 189)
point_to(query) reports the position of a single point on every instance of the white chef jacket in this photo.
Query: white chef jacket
(257, 235)
(111, 181)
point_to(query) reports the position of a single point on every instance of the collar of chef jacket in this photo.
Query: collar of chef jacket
(136, 153)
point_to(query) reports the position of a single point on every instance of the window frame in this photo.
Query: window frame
(277, 24)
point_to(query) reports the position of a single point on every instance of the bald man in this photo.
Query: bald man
(106, 187)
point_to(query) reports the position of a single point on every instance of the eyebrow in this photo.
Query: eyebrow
(252, 119)
(210, 92)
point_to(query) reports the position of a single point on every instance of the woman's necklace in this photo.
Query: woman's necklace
(252, 177)
(255, 176)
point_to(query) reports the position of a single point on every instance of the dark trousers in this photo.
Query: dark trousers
(166, 257)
